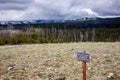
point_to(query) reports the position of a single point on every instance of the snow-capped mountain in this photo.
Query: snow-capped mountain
(78, 23)
(42, 21)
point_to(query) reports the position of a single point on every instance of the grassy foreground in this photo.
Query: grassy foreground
(58, 61)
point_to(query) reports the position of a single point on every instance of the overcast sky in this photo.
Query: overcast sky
(57, 9)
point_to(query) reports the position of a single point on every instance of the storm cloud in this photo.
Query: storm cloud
(57, 9)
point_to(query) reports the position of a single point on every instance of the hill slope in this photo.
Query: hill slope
(52, 61)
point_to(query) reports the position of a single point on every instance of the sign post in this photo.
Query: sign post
(84, 57)
(84, 70)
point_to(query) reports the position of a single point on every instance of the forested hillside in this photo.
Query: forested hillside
(88, 30)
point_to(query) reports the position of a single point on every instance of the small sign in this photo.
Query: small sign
(85, 57)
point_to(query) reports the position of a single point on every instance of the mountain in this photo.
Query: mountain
(78, 23)
(42, 21)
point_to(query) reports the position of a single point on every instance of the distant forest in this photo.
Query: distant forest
(71, 31)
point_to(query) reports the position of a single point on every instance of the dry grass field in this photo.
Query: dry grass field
(58, 61)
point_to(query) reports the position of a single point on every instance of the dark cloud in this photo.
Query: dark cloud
(57, 9)
(12, 6)
(15, 1)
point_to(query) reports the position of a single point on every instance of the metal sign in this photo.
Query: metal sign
(85, 57)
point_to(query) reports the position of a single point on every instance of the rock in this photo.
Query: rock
(108, 76)
(89, 68)
(111, 74)
(23, 62)
(25, 68)
(10, 67)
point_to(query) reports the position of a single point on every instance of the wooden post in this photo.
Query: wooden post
(84, 70)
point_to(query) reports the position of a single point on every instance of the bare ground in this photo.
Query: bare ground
(54, 61)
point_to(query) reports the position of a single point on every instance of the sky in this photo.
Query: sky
(57, 9)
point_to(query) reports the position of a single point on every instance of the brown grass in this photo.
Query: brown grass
(52, 61)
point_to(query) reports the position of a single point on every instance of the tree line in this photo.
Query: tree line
(52, 34)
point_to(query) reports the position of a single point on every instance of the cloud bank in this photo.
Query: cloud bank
(57, 9)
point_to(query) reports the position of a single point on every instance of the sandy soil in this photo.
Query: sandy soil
(55, 61)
